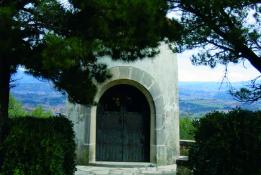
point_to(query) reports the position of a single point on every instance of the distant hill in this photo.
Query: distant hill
(32, 92)
(196, 98)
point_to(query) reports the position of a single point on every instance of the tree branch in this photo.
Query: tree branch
(236, 41)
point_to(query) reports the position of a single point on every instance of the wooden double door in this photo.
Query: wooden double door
(123, 126)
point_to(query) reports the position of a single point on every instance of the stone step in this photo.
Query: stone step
(98, 170)
(122, 164)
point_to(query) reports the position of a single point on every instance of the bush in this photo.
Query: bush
(16, 110)
(227, 143)
(186, 128)
(41, 113)
(39, 146)
(183, 170)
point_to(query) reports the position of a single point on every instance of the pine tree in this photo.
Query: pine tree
(62, 44)
(222, 31)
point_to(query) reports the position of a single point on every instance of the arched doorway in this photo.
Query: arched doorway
(123, 126)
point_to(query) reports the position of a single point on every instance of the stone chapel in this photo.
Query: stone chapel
(136, 114)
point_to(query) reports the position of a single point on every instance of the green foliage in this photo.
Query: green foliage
(92, 29)
(222, 26)
(55, 43)
(186, 128)
(183, 170)
(227, 143)
(121, 26)
(41, 113)
(225, 31)
(38, 146)
(187, 132)
(60, 44)
(251, 93)
(16, 108)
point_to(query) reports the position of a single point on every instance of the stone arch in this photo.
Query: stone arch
(149, 87)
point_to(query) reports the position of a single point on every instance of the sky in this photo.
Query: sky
(191, 73)
(236, 72)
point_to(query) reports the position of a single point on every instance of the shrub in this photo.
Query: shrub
(183, 170)
(39, 146)
(16, 110)
(227, 144)
(41, 113)
(186, 128)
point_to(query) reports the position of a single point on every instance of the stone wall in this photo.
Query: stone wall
(157, 79)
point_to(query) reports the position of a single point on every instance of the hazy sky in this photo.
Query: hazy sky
(236, 72)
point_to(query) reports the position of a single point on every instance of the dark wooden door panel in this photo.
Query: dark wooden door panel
(109, 137)
(135, 142)
(123, 126)
(133, 132)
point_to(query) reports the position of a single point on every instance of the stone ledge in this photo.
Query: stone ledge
(182, 160)
(186, 142)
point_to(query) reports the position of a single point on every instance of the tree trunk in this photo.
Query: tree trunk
(254, 59)
(5, 75)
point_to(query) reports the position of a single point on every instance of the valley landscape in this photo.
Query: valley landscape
(196, 98)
